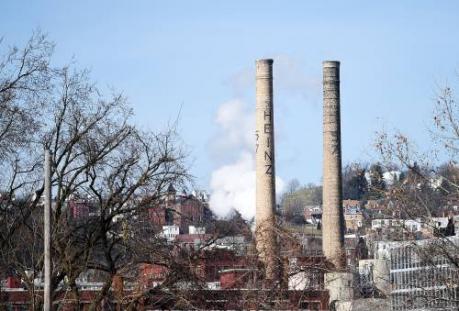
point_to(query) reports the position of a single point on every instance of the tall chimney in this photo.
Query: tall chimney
(332, 217)
(265, 185)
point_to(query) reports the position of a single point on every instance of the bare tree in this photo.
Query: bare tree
(424, 193)
(97, 154)
(25, 81)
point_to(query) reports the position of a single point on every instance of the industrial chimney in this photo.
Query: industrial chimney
(332, 216)
(265, 170)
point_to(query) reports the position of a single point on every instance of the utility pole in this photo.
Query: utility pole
(47, 233)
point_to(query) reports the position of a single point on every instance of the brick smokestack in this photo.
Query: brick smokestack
(265, 170)
(332, 217)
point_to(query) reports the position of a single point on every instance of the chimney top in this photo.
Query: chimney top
(268, 61)
(330, 63)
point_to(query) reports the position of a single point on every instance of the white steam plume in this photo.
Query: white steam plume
(232, 185)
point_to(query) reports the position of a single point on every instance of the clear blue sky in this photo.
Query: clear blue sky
(198, 55)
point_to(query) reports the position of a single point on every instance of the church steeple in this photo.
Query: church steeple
(171, 192)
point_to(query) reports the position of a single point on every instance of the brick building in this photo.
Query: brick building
(179, 209)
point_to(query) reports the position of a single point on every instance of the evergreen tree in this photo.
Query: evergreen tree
(377, 183)
(355, 185)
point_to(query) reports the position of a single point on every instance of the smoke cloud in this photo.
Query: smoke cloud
(232, 185)
(292, 77)
(236, 128)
